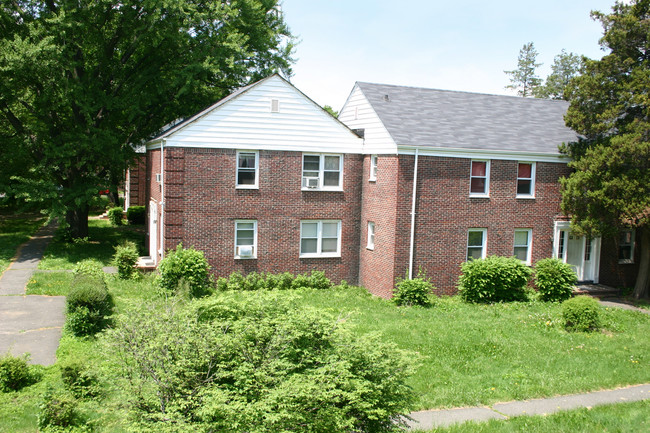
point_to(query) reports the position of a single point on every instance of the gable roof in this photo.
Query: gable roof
(430, 118)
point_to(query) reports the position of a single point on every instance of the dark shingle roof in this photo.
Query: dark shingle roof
(449, 119)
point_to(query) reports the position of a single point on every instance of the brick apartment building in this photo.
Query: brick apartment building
(405, 179)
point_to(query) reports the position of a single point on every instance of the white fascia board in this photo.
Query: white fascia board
(306, 147)
(484, 154)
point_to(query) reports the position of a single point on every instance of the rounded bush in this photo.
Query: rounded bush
(77, 379)
(136, 215)
(581, 314)
(185, 265)
(15, 373)
(494, 279)
(89, 267)
(115, 216)
(413, 292)
(125, 259)
(88, 305)
(57, 411)
(554, 280)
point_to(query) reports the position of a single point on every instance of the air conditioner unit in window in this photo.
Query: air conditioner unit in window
(245, 251)
(310, 182)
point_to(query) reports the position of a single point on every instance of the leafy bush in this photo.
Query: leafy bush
(554, 280)
(78, 379)
(413, 292)
(260, 365)
(125, 259)
(268, 281)
(188, 265)
(581, 314)
(494, 279)
(57, 410)
(115, 216)
(136, 215)
(89, 267)
(88, 306)
(15, 373)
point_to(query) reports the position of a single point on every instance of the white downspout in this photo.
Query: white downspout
(162, 198)
(415, 183)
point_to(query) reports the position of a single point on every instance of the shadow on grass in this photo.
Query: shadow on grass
(100, 244)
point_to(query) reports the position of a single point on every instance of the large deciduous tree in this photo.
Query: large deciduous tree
(524, 79)
(610, 108)
(81, 81)
(565, 67)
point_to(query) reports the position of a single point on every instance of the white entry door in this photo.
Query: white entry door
(579, 252)
(153, 231)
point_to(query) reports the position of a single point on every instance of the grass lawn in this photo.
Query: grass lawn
(625, 417)
(102, 237)
(15, 229)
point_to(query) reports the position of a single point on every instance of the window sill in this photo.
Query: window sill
(247, 187)
(525, 197)
(320, 256)
(323, 189)
(370, 248)
(372, 179)
(479, 196)
(626, 262)
(245, 257)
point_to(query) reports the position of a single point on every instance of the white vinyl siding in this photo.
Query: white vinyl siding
(245, 239)
(523, 245)
(320, 238)
(247, 170)
(476, 244)
(246, 121)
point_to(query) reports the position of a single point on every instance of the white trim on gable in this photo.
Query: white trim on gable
(484, 154)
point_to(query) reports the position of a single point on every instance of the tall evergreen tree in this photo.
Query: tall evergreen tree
(80, 81)
(524, 79)
(610, 108)
(565, 67)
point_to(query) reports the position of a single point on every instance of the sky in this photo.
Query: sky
(452, 45)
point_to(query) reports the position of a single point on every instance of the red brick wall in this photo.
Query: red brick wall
(613, 273)
(137, 178)
(202, 204)
(153, 190)
(444, 213)
(379, 205)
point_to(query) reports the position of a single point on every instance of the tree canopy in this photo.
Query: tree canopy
(565, 67)
(610, 108)
(81, 81)
(524, 79)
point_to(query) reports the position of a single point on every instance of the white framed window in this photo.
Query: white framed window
(526, 180)
(322, 171)
(626, 247)
(247, 169)
(476, 243)
(479, 178)
(275, 105)
(245, 239)
(373, 168)
(320, 238)
(371, 236)
(523, 242)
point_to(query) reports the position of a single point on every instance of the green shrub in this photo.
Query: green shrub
(15, 373)
(185, 264)
(494, 279)
(262, 364)
(313, 280)
(88, 306)
(268, 281)
(413, 292)
(115, 216)
(125, 259)
(281, 281)
(78, 379)
(90, 267)
(554, 280)
(581, 314)
(57, 410)
(136, 215)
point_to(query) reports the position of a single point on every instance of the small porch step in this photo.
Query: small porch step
(595, 290)
(145, 263)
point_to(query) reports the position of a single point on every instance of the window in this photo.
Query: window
(275, 106)
(320, 238)
(373, 167)
(626, 247)
(476, 243)
(322, 171)
(522, 250)
(371, 236)
(526, 180)
(562, 241)
(246, 239)
(247, 169)
(479, 181)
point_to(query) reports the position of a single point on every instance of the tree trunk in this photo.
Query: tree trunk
(643, 277)
(77, 220)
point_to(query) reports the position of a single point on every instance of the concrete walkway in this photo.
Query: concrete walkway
(428, 419)
(29, 324)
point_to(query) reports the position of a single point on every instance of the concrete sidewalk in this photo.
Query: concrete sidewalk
(428, 419)
(30, 324)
